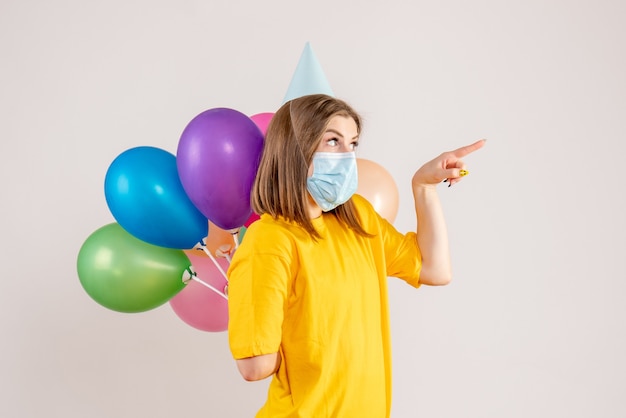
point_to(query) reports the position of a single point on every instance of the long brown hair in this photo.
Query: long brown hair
(292, 138)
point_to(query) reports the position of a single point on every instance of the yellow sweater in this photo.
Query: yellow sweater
(324, 306)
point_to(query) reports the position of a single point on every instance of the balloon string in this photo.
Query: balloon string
(207, 252)
(195, 278)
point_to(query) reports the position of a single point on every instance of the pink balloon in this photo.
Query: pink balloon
(197, 305)
(253, 218)
(262, 120)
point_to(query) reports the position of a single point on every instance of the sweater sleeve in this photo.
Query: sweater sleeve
(403, 258)
(259, 278)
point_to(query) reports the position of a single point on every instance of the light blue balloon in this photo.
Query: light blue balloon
(145, 195)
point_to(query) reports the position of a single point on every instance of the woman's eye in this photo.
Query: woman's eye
(354, 145)
(333, 142)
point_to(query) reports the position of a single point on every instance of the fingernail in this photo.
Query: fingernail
(445, 181)
(463, 173)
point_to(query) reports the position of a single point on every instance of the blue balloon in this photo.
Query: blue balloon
(145, 195)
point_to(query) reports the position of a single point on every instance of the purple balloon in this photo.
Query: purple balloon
(218, 157)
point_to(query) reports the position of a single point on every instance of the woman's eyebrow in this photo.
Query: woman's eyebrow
(338, 133)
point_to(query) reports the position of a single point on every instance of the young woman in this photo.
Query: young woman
(308, 285)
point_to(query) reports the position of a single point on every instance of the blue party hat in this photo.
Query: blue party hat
(308, 78)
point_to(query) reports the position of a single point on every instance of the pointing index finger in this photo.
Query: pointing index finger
(468, 149)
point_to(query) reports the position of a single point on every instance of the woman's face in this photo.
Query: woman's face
(341, 135)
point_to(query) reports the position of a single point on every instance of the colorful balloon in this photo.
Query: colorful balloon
(218, 239)
(379, 188)
(217, 158)
(147, 199)
(125, 274)
(253, 218)
(242, 232)
(199, 306)
(262, 120)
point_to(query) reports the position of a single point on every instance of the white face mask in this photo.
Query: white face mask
(334, 179)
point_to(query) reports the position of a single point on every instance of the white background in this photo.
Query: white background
(533, 324)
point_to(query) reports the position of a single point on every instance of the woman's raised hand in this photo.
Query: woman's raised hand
(448, 167)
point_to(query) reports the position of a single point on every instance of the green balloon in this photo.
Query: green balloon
(242, 232)
(125, 274)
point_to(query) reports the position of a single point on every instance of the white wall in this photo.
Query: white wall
(532, 326)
